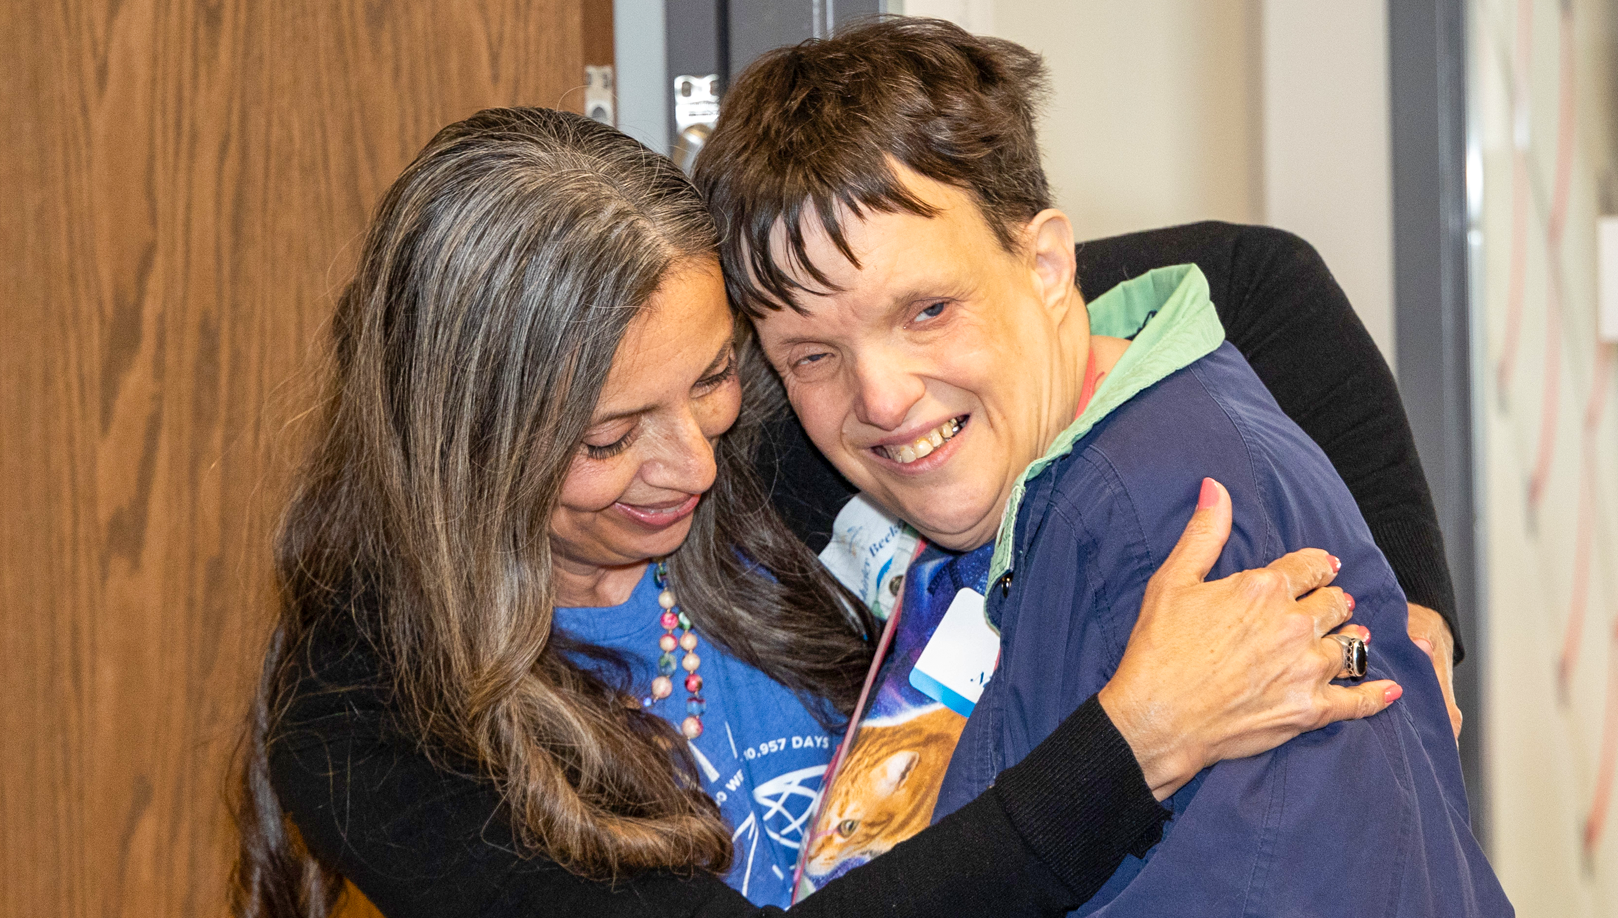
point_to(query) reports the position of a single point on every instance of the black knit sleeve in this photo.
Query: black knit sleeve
(1285, 312)
(421, 837)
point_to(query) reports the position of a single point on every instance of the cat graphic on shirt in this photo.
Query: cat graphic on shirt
(885, 790)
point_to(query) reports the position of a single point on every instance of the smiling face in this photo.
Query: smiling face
(648, 455)
(943, 365)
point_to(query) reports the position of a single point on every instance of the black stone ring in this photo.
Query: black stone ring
(1354, 656)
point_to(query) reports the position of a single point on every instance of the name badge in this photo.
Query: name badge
(961, 657)
(869, 551)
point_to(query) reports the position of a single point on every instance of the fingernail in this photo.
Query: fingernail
(1392, 693)
(1425, 645)
(1365, 633)
(1209, 495)
(1336, 564)
(1350, 598)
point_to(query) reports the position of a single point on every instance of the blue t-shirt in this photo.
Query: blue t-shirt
(761, 753)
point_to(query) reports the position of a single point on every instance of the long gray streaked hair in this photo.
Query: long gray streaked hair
(496, 281)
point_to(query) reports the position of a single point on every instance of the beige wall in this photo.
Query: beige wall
(1155, 118)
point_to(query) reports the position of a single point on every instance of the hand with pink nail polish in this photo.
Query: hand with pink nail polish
(1265, 631)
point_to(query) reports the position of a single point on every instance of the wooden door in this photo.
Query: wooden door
(182, 187)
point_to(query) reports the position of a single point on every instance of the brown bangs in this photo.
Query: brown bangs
(811, 132)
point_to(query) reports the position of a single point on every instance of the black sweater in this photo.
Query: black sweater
(423, 839)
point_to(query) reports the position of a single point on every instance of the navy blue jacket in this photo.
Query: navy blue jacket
(1360, 818)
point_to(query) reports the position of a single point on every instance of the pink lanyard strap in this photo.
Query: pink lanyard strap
(1092, 375)
(882, 645)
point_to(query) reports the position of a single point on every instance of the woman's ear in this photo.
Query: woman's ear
(1049, 237)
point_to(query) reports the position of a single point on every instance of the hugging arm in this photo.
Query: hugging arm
(422, 838)
(425, 838)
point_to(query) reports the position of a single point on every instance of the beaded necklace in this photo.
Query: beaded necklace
(663, 684)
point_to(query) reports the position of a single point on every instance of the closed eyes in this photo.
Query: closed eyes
(702, 387)
(611, 449)
(709, 383)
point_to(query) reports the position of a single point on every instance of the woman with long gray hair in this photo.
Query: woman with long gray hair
(543, 646)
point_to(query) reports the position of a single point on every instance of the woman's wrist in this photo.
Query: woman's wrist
(1167, 756)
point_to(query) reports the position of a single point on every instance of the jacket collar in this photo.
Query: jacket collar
(1170, 317)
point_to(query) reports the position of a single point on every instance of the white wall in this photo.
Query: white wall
(1327, 160)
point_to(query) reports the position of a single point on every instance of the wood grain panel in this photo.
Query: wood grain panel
(181, 189)
(596, 22)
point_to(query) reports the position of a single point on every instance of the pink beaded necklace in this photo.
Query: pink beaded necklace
(673, 618)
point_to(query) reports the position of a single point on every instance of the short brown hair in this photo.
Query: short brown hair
(809, 127)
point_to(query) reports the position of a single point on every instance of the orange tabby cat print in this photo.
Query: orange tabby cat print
(885, 791)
